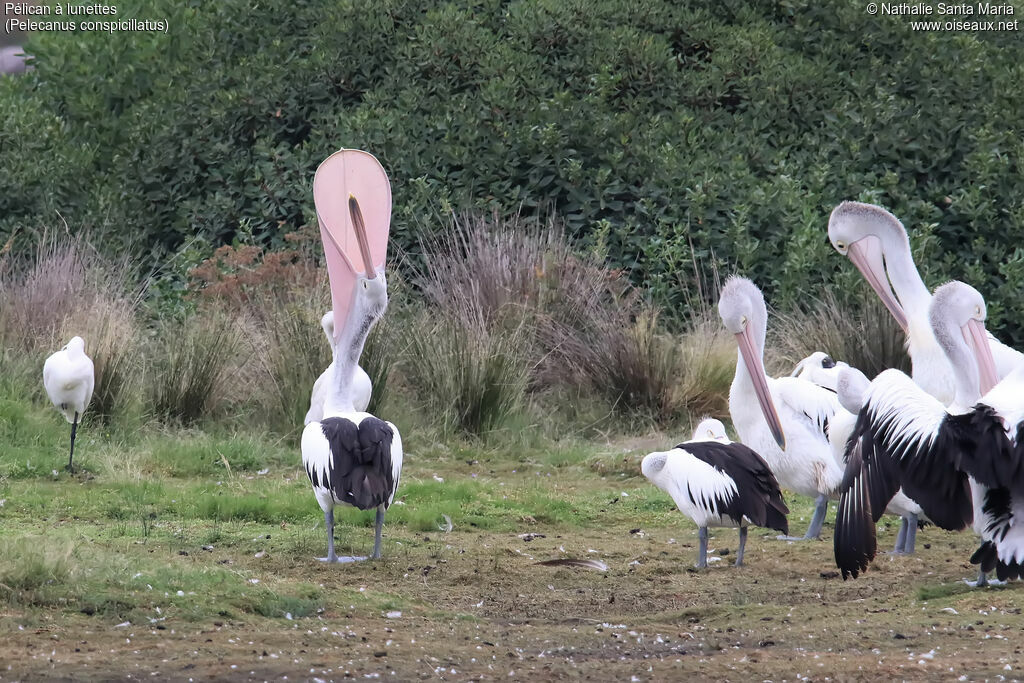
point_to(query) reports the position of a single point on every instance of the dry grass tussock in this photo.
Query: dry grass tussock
(66, 288)
(859, 331)
(559, 318)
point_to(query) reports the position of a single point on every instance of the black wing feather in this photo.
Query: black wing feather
(361, 472)
(928, 470)
(759, 498)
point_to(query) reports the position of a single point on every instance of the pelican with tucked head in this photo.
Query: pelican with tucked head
(69, 378)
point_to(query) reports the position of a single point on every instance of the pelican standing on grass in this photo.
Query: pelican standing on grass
(716, 482)
(962, 464)
(352, 457)
(69, 378)
(362, 387)
(785, 420)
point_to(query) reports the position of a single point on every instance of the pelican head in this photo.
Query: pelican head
(652, 465)
(864, 233)
(371, 289)
(851, 388)
(710, 429)
(957, 315)
(75, 347)
(327, 325)
(743, 312)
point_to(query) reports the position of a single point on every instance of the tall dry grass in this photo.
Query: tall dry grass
(192, 363)
(576, 324)
(857, 330)
(64, 288)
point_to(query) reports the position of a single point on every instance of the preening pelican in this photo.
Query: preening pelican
(821, 369)
(69, 378)
(877, 243)
(961, 464)
(784, 420)
(716, 482)
(352, 457)
(361, 385)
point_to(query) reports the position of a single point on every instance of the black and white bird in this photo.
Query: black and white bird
(716, 482)
(362, 387)
(962, 464)
(69, 379)
(784, 419)
(351, 457)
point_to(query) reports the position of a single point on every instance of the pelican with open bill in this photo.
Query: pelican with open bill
(352, 457)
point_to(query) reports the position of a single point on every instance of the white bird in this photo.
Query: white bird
(362, 387)
(716, 482)
(851, 388)
(785, 420)
(962, 464)
(69, 378)
(352, 457)
(877, 243)
(820, 368)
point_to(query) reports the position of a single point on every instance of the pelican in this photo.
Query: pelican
(821, 369)
(352, 457)
(716, 482)
(877, 243)
(851, 387)
(785, 420)
(960, 463)
(361, 385)
(69, 378)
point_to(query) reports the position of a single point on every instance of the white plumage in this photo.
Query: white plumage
(69, 379)
(716, 482)
(784, 419)
(362, 387)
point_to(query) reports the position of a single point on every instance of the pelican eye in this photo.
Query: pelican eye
(827, 362)
(977, 310)
(841, 246)
(743, 320)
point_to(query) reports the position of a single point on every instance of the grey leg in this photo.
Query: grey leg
(743, 544)
(982, 580)
(376, 538)
(820, 510)
(74, 428)
(901, 537)
(702, 554)
(329, 523)
(908, 543)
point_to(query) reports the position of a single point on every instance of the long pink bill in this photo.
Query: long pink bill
(755, 368)
(976, 337)
(866, 254)
(359, 226)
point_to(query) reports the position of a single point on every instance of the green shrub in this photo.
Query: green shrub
(663, 131)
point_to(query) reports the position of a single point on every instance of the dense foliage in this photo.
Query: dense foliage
(663, 133)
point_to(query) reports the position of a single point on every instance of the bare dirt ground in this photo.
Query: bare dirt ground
(474, 606)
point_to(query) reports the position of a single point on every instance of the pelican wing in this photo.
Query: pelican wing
(901, 424)
(756, 497)
(817, 404)
(362, 472)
